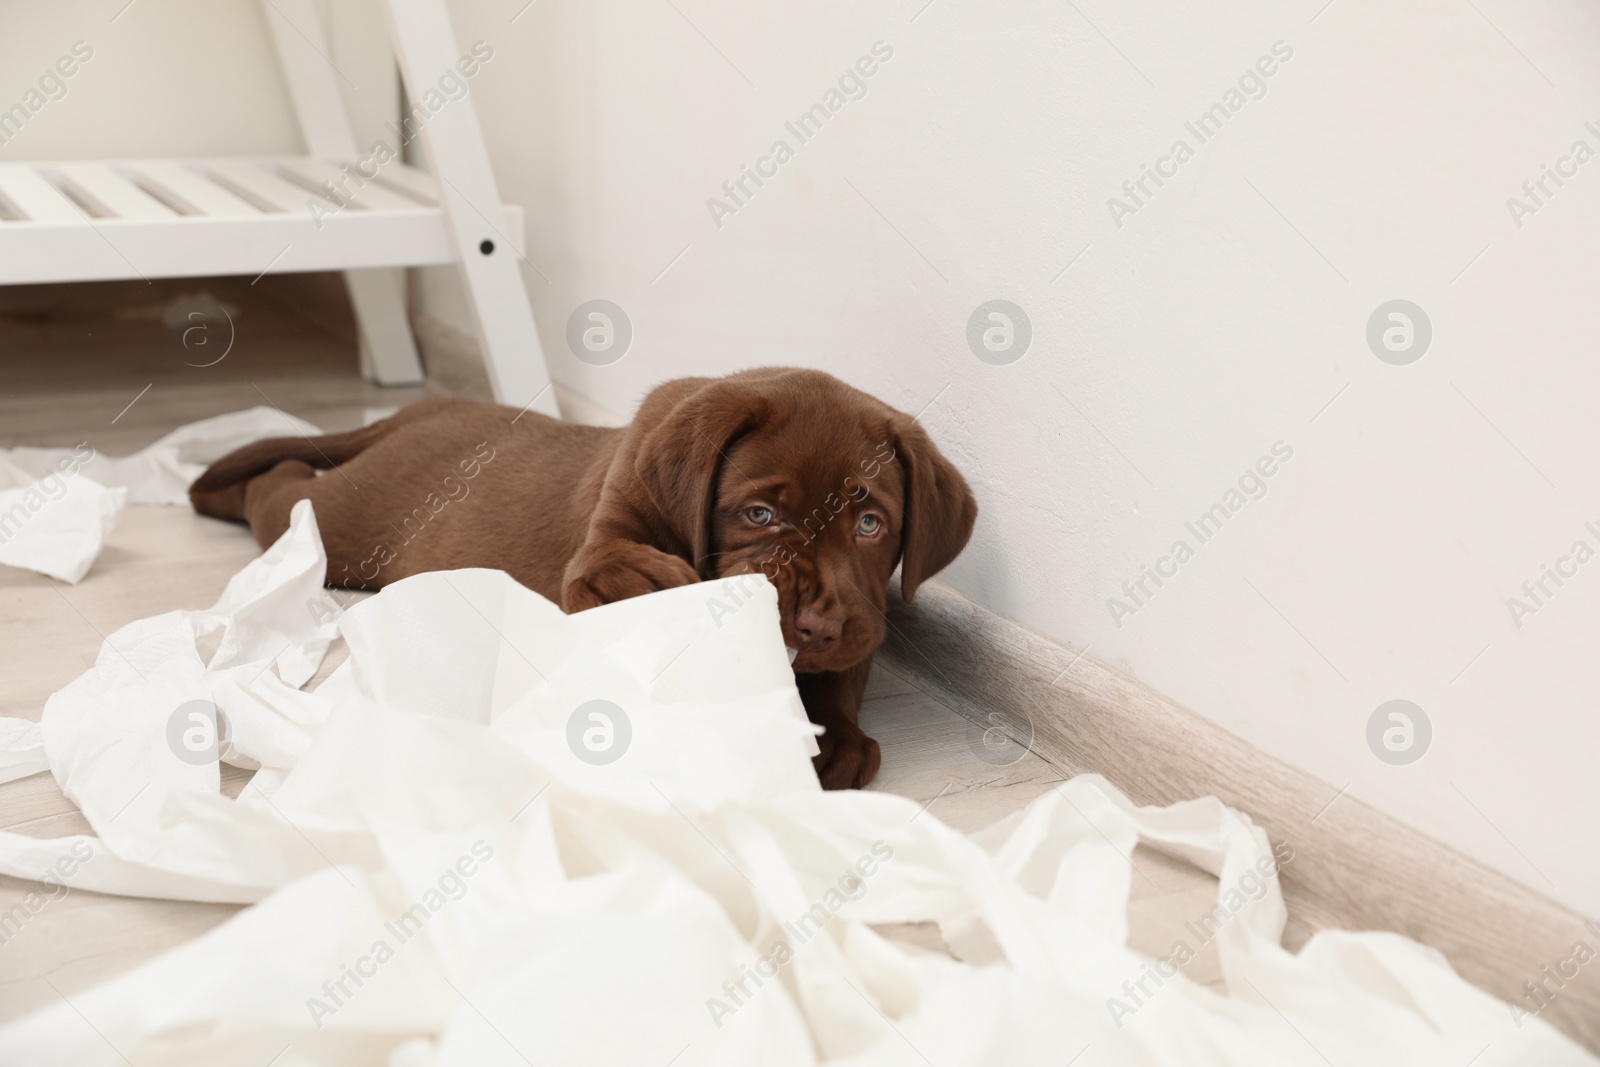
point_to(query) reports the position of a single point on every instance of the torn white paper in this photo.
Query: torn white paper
(161, 473)
(56, 524)
(58, 505)
(21, 749)
(503, 835)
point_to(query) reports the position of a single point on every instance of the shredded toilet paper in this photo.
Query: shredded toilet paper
(56, 523)
(498, 834)
(58, 505)
(21, 749)
(161, 473)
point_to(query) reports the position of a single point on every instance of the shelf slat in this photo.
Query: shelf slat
(256, 178)
(370, 196)
(204, 196)
(115, 193)
(36, 198)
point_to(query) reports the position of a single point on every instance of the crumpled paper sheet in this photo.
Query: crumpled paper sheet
(55, 524)
(438, 878)
(21, 749)
(58, 505)
(162, 473)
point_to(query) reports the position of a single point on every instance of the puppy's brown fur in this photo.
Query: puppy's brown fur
(784, 472)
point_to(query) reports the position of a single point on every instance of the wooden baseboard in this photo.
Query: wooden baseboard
(1355, 868)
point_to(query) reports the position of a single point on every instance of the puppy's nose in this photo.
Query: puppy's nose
(817, 632)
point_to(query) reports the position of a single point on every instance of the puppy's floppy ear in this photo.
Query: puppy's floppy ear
(679, 457)
(939, 509)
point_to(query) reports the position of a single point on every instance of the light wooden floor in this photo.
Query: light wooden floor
(70, 360)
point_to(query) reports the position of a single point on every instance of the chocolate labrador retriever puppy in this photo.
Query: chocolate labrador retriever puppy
(784, 472)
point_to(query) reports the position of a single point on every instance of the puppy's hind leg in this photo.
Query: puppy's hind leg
(267, 499)
(224, 503)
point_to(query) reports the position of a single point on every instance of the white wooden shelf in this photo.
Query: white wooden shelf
(98, 220)
(83, 221)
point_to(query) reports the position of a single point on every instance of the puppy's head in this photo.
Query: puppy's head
(793, 474)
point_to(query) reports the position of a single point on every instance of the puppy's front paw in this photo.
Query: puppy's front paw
(849, 758)
(634, 570)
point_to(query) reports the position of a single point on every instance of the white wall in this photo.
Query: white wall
(165, 79)
(177, 78)
(1177, 349)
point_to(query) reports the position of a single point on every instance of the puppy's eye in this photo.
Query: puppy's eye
(869, 526)
(760, 516)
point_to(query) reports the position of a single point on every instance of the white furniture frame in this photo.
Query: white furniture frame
(90, 221)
